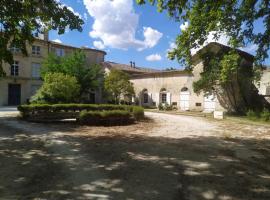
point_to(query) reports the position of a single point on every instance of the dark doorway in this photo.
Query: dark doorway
(14, 94)
(92, 97)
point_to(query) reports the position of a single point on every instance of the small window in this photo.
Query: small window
(174, 103)
(198, 104)
(36, 70)
(14, 49)
(145, 98)
(163, 98)
(14, 69)
(59, 52)
(36, 50)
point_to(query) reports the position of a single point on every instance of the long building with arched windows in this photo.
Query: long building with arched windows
(175, 87)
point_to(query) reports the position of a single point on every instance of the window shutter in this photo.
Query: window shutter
(157, 99)
(169, 98)
(150, 100)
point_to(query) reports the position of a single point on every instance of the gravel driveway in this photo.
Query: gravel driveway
(167, 157)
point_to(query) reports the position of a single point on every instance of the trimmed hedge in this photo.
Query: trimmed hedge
(55, 111)
(113, 117)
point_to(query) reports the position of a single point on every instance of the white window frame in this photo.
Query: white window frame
(36, 50)
(14, 68)
(36, 70)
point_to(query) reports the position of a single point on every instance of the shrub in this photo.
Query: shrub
(113, 117)
(36, 110)
(252, 114)
(265, 115)
(165, 106)
(57, 87)
(138, 112)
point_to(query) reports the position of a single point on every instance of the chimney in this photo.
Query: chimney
(134, 64)
(130, 63)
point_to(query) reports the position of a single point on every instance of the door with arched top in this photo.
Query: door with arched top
(184, 99)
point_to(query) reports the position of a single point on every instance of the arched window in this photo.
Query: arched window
(184, 89)
(163, 95)
(145, 96)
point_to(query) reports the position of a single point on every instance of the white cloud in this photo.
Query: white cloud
(98, 45)
(115, 24)
(57, 40)
(222, 39)
(72, 10)
(153, 57)
(172, 46)
(85, 16)
(184, 26)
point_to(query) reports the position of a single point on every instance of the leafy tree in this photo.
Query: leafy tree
(20, 19)
(88, 77)
(222, 71)
(117, 85)
(234, 18)
(57, 88)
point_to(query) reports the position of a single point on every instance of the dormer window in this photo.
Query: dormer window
(36, 50)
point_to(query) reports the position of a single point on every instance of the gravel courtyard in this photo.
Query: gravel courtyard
(167, 157)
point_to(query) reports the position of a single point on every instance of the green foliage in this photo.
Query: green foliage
(57, 88)
(235, 18)
(113, 117)
(265, 115)
(165, 107)
(252, 114)
(35, 110)
(138, 112)
(117, 85)
(19, 19)
(75, 64)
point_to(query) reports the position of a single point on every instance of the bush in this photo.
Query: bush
(265, 115)
(165, 107)
(138, 112)
(57, 87)
(36, 110)
(113, 117)
(252, 114)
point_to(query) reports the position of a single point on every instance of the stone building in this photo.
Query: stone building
(23, 76)
(174, 87)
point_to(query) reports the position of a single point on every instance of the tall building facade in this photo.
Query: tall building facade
(22, 78)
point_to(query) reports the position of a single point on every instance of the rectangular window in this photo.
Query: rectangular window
(36, 70)
(59, 52)
(14, 69)
(164, 98)
(36, 50)
(14, 49)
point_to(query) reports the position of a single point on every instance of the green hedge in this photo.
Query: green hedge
(113, 117)
(33, 111)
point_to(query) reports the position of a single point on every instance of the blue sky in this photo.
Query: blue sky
(127, 32)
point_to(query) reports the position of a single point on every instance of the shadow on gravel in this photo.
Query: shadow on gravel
(132, 167)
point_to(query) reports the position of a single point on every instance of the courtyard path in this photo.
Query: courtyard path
(167, 157)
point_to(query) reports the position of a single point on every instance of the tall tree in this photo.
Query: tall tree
(118, 86)
(20, 19)
(235, 19)
(75, 64)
